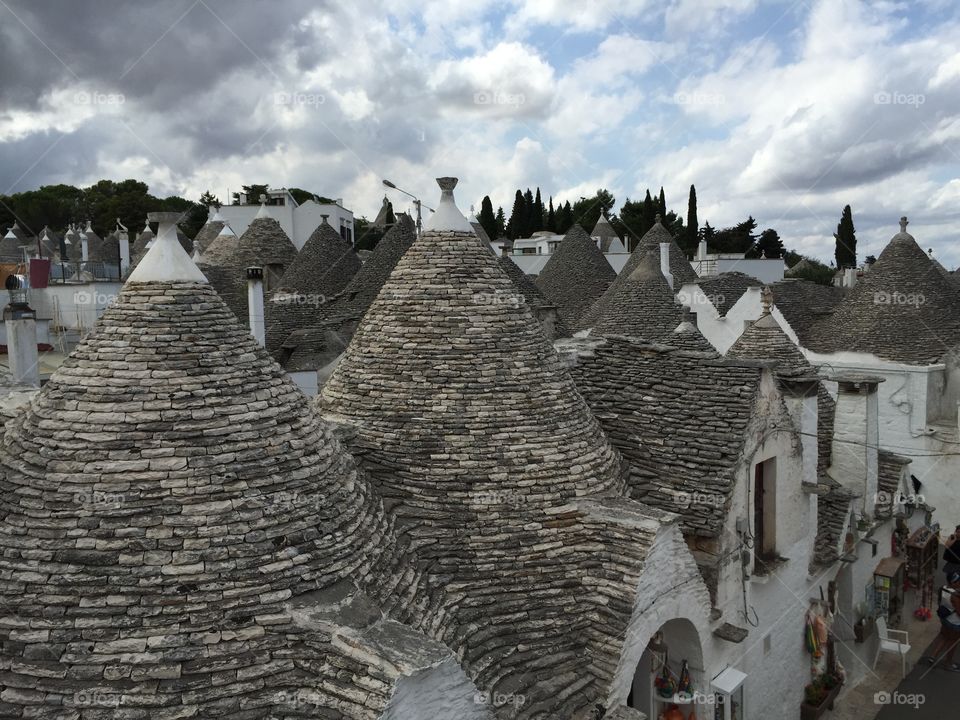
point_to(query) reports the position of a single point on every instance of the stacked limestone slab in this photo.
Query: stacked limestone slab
(263, 244)
(324, 266)
(576, 275)
(484, 451)
(181, 536)
(331, 323)
(642, 305)
(680, 418)
(650, 243)
(207, 234)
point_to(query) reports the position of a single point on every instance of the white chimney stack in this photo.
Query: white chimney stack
(702, 250)
(849, 277)
(255, 304)
(21, 326)
(665, 263)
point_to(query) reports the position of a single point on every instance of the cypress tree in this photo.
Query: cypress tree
(663, 204)
(648, 214)
(487, 219)
(517, 225)
(551, 218)
(536, 221)
(501, 224)
(845, 252)
(691, 238)
(531, 212)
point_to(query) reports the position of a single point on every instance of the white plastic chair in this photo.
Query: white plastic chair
(889, 643)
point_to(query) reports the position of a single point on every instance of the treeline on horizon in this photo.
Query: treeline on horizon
(58, 206)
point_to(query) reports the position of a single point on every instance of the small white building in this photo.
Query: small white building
(297, 220)
(710, 264)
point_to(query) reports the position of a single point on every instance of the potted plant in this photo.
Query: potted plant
(819, 694)
(863, 627)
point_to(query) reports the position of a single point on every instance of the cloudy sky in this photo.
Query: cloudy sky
(786, 110)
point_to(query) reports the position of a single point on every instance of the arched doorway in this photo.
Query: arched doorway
(676, 641)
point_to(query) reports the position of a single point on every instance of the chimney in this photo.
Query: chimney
(849, 277)
(21, 325)
(665, 261)
(85, 243)
(123, 237)
(854, 460)
(255, 304)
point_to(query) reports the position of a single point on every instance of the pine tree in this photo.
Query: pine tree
(487, 219)
(551, 218)
(501, 224)
(769, 245)
(846, 241)
(517, 225)
(663, 203)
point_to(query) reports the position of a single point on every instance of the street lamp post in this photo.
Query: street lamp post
(416, 202)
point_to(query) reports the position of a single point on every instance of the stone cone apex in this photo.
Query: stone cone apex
(447, 215)
(446, 379)
(188, 493)
(166, 260)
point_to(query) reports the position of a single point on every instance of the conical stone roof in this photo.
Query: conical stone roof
(94, 245)
(480, 443)
(263, 244)
(10, 247)
(324, 266)
(576, 275)
(222, 247)
(306, 346)
(163, 500)
(680, 268)
(903, 310)
(609, 240)
(764, 339)
(642, 305)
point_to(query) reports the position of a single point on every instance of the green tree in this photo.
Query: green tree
(663, 203)
(536, 213)
(501, 224)
(517, 225)
(690, 238)
(737, 239)
(845, 252)
(208, 199)
(768, 245)
(586, 211)
(551, 217)
(253, 193)
(487, 220)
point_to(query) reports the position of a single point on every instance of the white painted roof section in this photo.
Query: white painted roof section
(226, 230)
(9, 235)
(167, 261)
(447, 215)
(217, 217)
(262, 212)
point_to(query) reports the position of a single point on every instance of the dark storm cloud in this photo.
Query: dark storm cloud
(113, 46)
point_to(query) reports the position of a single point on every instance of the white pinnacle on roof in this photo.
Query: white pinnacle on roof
(447, 215)
(166, 261)
(262, 212)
